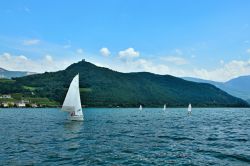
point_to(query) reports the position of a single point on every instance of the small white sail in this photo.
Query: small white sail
(189, 108)
(164, 107)
(140, 108)
(72, 102)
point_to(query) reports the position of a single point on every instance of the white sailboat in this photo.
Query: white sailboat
(164, 107)
(189, 108)
(140, 108)
(72, 102)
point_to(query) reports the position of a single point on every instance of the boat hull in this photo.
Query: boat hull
(76, 118)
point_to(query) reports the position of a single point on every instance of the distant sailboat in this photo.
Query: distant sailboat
(140, 108)
(164, 107)
(72, 102)
(189, 108)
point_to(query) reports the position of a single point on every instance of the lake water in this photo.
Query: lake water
(125, 137)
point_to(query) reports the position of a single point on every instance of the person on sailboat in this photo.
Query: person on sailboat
(72, 114)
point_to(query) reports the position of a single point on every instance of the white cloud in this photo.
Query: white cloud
(228, 71)
(248, 50)
(6, 56)
(102, 65)
(178, 51)
(105, 51)
(22, 63)
(128, 53)
(67, 46)
(48, 58)
(31, 42)
(221, 62)
(11, 62)
(79, 51)
(176, 60)
(146, 65)
(224, 72)
(22, 57)
(142, 65)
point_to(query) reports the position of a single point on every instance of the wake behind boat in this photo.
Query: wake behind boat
(72, 102)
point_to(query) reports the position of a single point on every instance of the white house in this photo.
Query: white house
(5, 105)
(5, 97)
(34, 105)
(20, 104)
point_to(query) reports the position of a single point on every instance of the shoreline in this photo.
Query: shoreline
(131, 107)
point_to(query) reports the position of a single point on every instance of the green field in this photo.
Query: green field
(30, 88)
(85, 89)
(4, 80)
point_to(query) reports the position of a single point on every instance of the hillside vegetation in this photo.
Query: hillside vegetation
(102, 87)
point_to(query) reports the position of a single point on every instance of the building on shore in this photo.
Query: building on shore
(5, 97)
(25, 101)
(34, 105)
(7, 104)
(20, 104)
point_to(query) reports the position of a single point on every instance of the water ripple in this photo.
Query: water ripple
(125, 137)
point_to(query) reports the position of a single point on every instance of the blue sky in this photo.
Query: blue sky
(207, 39)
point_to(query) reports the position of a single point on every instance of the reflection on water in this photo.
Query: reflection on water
(73, 126)
(71, 134)
(125, 137)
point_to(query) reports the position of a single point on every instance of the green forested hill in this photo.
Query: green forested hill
(105, 87)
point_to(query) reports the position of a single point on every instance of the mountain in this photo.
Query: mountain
(239, 87)
(102, 87)
(248, 101)
(11, 74)
(202, 81)
(241, 83)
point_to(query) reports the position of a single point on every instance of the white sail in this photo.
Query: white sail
(164, 107)
(140, 108)
(72, 102)
(189, 108)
